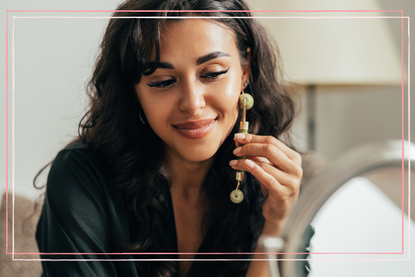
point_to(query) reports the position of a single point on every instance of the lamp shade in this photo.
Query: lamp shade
(331, 47)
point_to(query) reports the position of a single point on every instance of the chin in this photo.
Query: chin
(198, 154)
(198, 157)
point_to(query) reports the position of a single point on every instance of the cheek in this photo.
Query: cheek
(229, 98)
(156, 109)
(157, 112)
(230, 103)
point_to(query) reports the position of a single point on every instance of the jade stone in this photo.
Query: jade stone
(249, 101)
(238, 198)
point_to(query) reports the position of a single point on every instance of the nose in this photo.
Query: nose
(192, 98)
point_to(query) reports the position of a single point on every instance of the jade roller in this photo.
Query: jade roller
(245, 103)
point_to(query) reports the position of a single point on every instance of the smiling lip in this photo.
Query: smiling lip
(195, 129)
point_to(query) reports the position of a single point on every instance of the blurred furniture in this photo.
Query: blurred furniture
(24, 238)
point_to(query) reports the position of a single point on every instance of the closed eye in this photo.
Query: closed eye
(162, 83)
(210, 76)
(214, 75)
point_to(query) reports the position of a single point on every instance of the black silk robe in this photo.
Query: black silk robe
(83, 215)
(84, 224)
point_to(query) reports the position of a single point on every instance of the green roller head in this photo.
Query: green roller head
(249, 101)
(237, 197)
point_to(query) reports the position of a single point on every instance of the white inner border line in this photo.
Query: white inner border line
(13, 138)
(409, 138)
(212, 17)
(186, 17)
(202, 260)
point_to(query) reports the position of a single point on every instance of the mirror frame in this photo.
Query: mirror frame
(394, 153)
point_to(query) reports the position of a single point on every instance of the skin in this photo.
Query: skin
(189, 91)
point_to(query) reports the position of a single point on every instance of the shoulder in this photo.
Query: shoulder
(77, 159)
(74, 155)
(81, 214)
(75, 176)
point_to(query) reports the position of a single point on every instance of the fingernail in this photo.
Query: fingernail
(237, 150)
(249, 164)
(239, 136)
(233, 162)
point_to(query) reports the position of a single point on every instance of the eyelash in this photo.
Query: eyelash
(214, 75)
(162, 83)
(210, 76)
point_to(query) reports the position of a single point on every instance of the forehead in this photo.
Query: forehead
(195, 36)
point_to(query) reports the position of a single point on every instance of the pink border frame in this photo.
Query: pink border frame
(174, 253)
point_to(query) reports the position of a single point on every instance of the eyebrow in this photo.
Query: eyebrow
(199, 61)
(211, 56)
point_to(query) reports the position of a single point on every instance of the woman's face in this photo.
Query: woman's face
(191, 100)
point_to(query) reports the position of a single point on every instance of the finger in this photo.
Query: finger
(275, 190)
(250, 138)
(240, 165)
(237, 144)
(264, 191)
(259, 159)
(284, 179)
(271, 153)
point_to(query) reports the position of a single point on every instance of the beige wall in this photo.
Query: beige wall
(347, 116)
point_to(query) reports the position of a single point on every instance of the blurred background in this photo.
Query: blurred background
(346, 73)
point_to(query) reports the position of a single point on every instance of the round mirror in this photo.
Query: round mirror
(358, 208)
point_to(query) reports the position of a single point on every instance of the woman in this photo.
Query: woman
(155, 161)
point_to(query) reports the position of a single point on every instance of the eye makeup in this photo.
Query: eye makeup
(211, 76)
(214, 75)
(164, 83)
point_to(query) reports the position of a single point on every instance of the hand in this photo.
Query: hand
(277, 168)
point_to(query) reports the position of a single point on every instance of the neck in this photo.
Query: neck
(186, 177)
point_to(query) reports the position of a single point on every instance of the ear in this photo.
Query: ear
(246, 70)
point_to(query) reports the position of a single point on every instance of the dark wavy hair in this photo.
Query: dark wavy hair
(112, 126)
